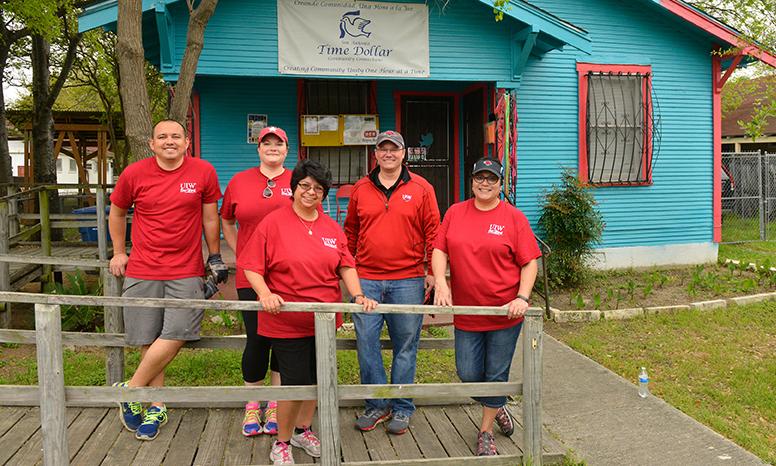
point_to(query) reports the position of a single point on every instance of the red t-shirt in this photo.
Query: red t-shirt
(167, 222)
(297, 266)
(244, 202)
(486, 250)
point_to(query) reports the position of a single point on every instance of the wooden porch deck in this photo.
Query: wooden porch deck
(212, 437)
(24, 273)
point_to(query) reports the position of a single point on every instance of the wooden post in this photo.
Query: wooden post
(114, 320)
(328, 401)
(114, 323)
(5, 270)
(532, 390)
(13, 210)
(51, 384)
(46, 278)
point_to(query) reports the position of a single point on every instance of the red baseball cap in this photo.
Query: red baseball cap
(273, 130)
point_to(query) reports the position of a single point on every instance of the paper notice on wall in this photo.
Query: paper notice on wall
(360, 130)
(256, 123)
(349, 38)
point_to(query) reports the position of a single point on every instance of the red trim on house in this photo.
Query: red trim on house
(397, 95)
(716, 105)
(718, 30)
(300, 110)
(646, 154)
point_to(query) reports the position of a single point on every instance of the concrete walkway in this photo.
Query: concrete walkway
(599, 416)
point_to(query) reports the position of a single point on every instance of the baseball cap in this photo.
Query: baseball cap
(273, 130)
(488, 165)
(390, 136)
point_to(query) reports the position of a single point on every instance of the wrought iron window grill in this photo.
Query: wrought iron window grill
(622, 127)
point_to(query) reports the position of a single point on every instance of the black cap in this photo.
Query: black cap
(488, 165)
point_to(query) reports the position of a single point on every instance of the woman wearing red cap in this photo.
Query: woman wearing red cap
(249, 197)
(492, 254)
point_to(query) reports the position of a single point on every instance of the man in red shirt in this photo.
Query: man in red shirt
(391, 225)
(175, 198)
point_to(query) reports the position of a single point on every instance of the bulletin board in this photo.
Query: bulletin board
(339, 130)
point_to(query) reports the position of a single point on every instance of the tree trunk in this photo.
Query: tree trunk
(134, 94)
(42, 117)
(195, 38)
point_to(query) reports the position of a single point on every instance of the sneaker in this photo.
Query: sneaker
(399, 424)
(308, 442)
(371, 418)
(271, 418)
(281, 453)
(486, 444)
(130, 413)
(155, 417)
(251, 424)
(505, 422)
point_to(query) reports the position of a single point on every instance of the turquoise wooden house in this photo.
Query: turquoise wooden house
(626, 93)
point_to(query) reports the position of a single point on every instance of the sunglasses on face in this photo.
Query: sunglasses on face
(481, 178)
(268, 190)
(307, 186)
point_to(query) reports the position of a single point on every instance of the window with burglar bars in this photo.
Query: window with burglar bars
(329, 97)
(616, 124)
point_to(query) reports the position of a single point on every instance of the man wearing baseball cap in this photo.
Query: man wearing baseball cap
(391, 225)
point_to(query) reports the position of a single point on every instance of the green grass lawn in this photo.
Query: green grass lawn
(736, 228)
(717, 366)
(758, 252)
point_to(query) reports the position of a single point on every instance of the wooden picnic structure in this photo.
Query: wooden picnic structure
(57, 424)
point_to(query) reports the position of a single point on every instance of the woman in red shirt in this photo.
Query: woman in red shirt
(249, 197)
(492, 254)
(298, 254)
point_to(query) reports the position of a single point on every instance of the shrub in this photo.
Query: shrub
(571, 226)
(80, 318)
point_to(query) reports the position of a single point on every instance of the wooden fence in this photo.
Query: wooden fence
(53, 395)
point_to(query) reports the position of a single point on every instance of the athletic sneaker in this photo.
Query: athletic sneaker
(251, 424)
(307, 441)
(281, 453)
(130, 413)
(398, 424)
(504, 421)
(371, 418)
(155, 417)
(486, 444)
(271, 418)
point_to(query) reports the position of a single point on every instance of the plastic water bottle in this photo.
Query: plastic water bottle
(643, 383)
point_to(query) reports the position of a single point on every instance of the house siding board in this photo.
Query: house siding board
(677, 208)
(241, 40)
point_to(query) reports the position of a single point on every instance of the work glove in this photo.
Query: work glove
(217, 268)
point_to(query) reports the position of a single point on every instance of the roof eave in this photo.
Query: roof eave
(104, 14)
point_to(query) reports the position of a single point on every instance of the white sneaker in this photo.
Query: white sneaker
(307, 441)
(281, 453)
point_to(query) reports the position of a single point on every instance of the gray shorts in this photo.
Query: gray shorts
(143, 325)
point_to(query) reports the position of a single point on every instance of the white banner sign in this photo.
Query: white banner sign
(347, 38)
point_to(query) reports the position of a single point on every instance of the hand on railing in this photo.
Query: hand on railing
(442, 295)
(118, 264)
(517, 308)
(271, 303)
(368, 304)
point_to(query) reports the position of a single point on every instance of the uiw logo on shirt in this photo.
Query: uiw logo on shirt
(497, 230)
(189, 188)
(330, 242)
(286, 192)
(406, 197)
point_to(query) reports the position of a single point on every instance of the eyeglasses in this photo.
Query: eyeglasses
(307, 186)
(491, 179)
(382, 151)
(268, 190)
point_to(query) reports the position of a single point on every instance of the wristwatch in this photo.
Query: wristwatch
(524, 298)
(355, 297)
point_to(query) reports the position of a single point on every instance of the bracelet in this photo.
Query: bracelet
(356, 296)
(524, 298)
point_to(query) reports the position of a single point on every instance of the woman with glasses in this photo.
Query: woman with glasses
(249, 197)
(492, 254)
(298, 254)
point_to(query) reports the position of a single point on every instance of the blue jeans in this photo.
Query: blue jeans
(404, 330)
(486, 357)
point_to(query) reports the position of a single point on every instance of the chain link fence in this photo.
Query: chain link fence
(748, 197)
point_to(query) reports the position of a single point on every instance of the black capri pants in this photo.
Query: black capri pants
(256, 356)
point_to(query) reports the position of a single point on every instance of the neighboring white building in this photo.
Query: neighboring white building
(67, 170)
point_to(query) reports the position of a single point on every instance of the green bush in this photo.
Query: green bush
(571, 226)
(80, 318)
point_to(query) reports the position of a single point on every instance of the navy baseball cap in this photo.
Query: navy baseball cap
(488, 165)
(390, 136)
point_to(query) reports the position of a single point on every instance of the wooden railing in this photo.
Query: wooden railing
(53, 395)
